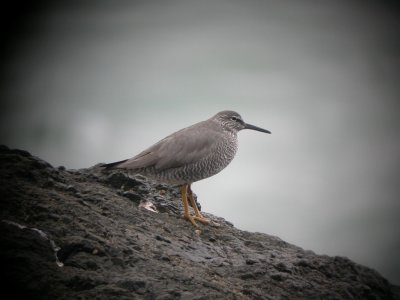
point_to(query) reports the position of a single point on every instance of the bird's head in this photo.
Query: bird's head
(232, 121)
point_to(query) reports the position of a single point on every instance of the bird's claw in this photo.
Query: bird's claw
(193, 219)
(202, 219)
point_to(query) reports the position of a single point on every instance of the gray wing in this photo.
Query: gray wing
(180, 148)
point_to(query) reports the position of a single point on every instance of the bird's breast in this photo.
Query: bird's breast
(220, 156)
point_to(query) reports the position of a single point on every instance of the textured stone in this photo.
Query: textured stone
(79, 234)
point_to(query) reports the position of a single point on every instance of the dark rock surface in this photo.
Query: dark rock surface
(84, 234)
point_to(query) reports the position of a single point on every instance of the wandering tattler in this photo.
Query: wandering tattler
(191, 154)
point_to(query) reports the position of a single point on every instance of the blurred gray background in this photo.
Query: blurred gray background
(84, 82)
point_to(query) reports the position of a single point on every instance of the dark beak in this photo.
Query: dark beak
(252, 127)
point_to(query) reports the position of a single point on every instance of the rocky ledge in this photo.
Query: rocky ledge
(95, 234)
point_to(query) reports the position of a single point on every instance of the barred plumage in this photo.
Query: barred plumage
(191, 154)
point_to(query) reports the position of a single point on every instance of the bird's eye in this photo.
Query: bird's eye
(234, 118)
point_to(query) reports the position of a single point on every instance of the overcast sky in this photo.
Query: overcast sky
(101, 81)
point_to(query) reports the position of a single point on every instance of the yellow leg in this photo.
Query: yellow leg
(186, 215)
(198, 216)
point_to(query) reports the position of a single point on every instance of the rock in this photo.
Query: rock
(81, 234)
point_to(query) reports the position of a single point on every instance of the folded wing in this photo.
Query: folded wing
(186, 146)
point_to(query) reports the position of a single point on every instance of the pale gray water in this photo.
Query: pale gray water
(102, 81)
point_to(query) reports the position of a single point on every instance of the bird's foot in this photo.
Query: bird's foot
(190, 219)
(201, 219)
(193, 219)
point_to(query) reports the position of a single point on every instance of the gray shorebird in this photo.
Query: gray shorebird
(189, 155)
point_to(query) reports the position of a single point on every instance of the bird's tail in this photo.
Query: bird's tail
(114, 164)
